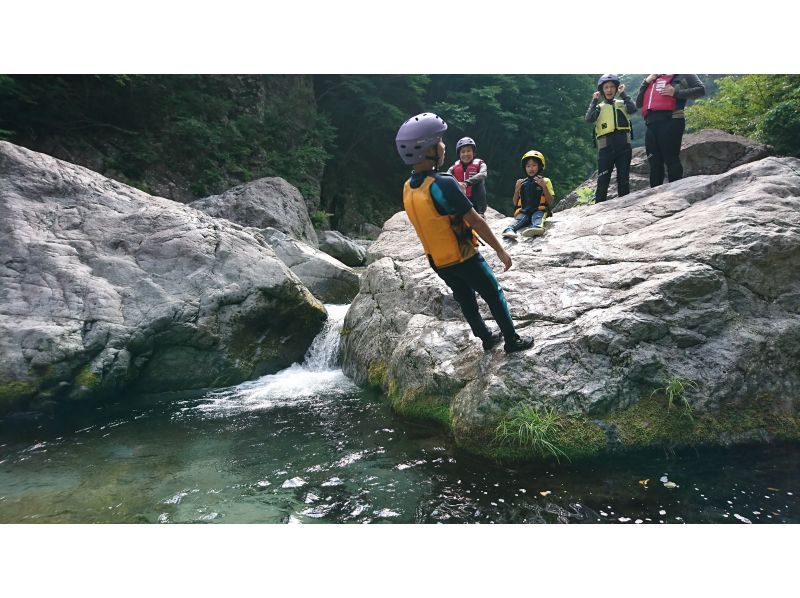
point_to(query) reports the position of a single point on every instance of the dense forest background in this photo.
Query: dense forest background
(332, 136)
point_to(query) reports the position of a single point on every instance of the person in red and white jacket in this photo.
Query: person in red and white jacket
(471, 173)
(662, 99)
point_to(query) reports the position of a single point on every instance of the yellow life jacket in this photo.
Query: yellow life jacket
(542, 199)
(447, 240)
(612, 118)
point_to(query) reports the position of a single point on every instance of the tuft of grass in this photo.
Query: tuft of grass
(675, 392)
(320, 218)
(527, 428)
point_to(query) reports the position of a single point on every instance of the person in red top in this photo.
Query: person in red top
(471, 173)
(662, 99)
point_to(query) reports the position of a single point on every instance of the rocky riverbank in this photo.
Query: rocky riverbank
(670, 316)
(106, 289)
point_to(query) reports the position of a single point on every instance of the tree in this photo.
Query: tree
(762, 107)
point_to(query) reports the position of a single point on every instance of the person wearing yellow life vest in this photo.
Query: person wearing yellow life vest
(533, 198)
(662, 99)
(446, 222)
(612, 131)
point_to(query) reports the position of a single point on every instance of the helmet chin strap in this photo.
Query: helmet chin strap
(435, 159)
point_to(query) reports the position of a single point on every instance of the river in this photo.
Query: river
(306, 445)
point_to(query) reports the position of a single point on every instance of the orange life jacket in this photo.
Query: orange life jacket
(447, 240)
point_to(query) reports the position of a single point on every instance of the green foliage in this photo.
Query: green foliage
(525, 427)
(762, 107)
(364, 175)
(782, 127)
(320, 218)
(585, 195)
(211, 131)
(675, 391)
(508, 115)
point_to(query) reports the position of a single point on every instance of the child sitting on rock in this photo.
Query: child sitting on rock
(470, 172)
(533, 198)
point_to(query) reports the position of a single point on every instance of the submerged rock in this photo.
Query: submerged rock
(691, 286)
(107, 289)
(269, 202)
(709, 151)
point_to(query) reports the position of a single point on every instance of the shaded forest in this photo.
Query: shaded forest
(332, 136)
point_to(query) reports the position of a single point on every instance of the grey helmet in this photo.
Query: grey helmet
(605, 79)
(417, 134)
(466, 141)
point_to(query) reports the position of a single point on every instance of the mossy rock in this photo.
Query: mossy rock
(651, 423)
(15, 390)
(414, 404)
(377, 373)
(86, 378)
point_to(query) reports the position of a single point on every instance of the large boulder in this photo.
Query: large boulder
(709, 151)
(671, 315)
(107, 289)
(342, 248)
(326, 277)
(265, 203)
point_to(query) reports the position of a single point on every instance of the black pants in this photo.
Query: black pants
(608, 158)
(663, 144)
(469, 277)
(478, 198)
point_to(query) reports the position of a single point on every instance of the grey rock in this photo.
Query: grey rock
(695, 279)
(107, 289)
(369, 231)
(343, 249)
(709, 151)
(265, 203)
(327, 278)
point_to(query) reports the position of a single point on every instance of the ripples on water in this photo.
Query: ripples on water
(306, 445)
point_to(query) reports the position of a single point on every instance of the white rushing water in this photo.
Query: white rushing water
(318, 378)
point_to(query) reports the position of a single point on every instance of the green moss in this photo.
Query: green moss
(87, 378)
(11, 392)
(377, 373)
(413, 404)
(651, 423)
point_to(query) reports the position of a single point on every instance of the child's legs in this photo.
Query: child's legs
(622, 161)
(523, 220)
(482, 279)
(464, 294)
(605, 164)
(538, 219)
(479, 198)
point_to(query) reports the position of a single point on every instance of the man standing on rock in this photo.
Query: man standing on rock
(446, 224)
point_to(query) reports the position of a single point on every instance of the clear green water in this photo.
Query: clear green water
(307, 446)
(352, 461)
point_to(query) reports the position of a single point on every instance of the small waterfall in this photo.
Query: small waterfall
(317, 379)
(322, 353)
